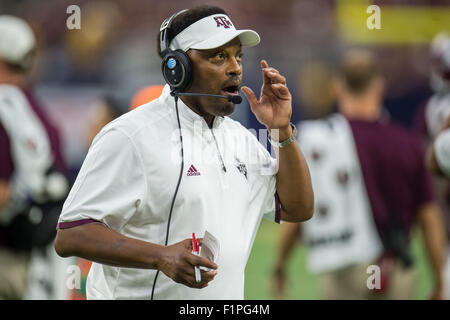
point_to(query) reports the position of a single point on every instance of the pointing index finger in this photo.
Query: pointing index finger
(264, 69)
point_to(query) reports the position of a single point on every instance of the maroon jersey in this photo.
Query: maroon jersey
(393, 165)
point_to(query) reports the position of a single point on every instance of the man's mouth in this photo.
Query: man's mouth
(230, 90)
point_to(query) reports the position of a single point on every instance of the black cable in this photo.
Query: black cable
(176, 190)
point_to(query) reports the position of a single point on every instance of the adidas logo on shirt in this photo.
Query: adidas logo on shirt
(192, 171)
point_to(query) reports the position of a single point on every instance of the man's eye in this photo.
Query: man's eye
(220, 55)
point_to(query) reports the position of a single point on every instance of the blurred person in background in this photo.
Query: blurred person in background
(371, 187)
(431, 120)
(32, 181)
(431, 117)
(438, 160)
(439, 152)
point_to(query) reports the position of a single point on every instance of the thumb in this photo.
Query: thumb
(250, 95)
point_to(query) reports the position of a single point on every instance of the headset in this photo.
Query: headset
(176, 66)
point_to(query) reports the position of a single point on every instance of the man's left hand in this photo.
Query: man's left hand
(274, 107)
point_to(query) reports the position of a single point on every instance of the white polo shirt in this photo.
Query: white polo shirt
(129, 177)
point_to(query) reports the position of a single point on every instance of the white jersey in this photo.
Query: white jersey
(442, 151)
(30, 149)
(342, 231)
(128, 180)
(436, 112)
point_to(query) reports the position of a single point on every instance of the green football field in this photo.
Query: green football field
(302, 284)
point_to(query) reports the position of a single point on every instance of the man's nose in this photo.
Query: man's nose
(234, 68)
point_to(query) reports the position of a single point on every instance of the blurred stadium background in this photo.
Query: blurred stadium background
(302, 284)
(114, 52)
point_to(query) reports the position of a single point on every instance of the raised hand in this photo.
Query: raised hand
(274, 106)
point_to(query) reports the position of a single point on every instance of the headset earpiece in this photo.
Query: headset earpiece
(176, 66)
(177, 70)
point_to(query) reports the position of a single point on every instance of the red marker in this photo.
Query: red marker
(196, 251)
(195, 246)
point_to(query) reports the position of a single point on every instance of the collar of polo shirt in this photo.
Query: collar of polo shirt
(212, 32)
(188, 116)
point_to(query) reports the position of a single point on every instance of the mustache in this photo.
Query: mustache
(233, 81)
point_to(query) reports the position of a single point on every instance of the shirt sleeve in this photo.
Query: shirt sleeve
(442, 151)
(110, 186)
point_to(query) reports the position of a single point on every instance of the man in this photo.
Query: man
(30, 162)
(132, 213)
(431, 119)
(371, 187)
(438, 161)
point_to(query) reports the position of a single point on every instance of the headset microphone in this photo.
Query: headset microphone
(233, 98)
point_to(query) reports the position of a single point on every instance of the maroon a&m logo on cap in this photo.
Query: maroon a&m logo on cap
(222, 21)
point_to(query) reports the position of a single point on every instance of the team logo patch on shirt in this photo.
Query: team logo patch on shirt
(241, 167)
(192, 171)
